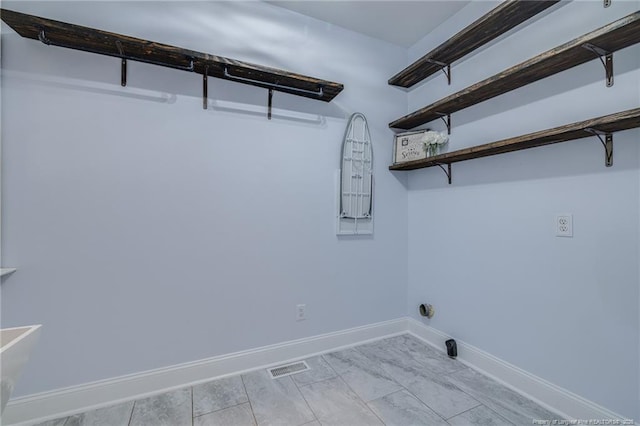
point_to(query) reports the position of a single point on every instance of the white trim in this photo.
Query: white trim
(76, 399)
(566, 404)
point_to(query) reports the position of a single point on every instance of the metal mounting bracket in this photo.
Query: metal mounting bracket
(447, 120)
(205, 89)
(607, 3)
(444, 67)
(447, 171)
(607, 62)
(43, 37)
(123, 66)
(607, 143)
(270, 103)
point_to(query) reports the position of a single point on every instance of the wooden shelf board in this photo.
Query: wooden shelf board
(614, 36)
(105, 43)
(498, 21)
(609, 123)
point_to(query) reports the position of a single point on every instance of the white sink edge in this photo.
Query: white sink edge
(16, 345)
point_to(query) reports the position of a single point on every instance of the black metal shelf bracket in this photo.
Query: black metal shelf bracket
(607, 143)
(447, 171)
(123, 66)
(42, 36)
(205, 88)
(444, 67)
(607, 62)
(607, 3)
(447, 120)
(269, 103)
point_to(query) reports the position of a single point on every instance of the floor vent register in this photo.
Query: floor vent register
(287, 370)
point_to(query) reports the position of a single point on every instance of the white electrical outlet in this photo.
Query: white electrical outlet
(301, 312)
(564, 225)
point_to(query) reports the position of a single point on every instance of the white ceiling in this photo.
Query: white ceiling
(398, 22)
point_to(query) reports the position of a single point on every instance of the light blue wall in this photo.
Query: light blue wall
(483, 250)
(150, 233)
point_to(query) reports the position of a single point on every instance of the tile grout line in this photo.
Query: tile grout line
(387, 373)
(462, 391)
(244, 386)
(469, 395)
(131, 415)
(363, 401)
(351, 389)
(383, 396)
(323, 380)
(220, 409)
(466, 411)
(464, 367)
(499, 415)
(415, 396)
(399, 384)
(485, 378)
(315, 416)
(191, 389)
(303, 398)
(480, 403)
(458, 388)
(329, 364)
(317, 381)
(192, 407)
(426, 405)
(488, 408)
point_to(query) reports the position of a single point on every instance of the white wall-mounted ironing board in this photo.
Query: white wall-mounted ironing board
(355, 207)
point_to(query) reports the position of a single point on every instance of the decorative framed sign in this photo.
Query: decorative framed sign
(409, 146)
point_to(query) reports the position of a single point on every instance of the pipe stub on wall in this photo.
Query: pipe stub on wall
(427, 310)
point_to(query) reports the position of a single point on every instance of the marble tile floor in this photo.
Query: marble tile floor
(398, 381)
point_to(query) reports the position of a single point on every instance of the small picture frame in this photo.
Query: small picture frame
(409, 146)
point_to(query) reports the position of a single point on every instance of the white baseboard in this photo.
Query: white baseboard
(556, 399)
(76, 399)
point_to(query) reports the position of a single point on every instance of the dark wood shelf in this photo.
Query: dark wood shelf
(606, 124)
(498, 21)
(614, 36)
(121, 46)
